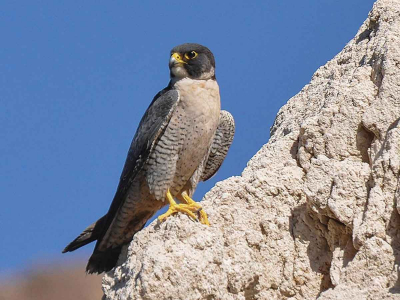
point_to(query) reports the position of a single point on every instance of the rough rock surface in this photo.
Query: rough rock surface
(316, 212)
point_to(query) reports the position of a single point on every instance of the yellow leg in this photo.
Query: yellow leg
(174, 208)
(189, 201)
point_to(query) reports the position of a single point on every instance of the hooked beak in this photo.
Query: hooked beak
(176, 59)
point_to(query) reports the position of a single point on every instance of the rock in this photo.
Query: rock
(315, 215)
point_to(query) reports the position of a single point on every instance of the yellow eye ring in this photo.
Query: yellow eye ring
(191, 55)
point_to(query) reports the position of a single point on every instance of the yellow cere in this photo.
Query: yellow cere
(178, 57)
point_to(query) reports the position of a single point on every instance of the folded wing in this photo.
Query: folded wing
(222, 141)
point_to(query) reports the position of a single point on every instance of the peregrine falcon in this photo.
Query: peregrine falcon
(182, 139)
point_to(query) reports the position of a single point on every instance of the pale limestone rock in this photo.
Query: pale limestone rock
(316, 212)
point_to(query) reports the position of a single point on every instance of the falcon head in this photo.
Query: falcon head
(192, 61)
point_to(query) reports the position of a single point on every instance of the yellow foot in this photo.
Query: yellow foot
(189, 201)
(190, 208)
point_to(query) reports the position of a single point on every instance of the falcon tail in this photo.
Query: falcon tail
(106, 259)
(90, 234)
(103, 261)
(100, 261)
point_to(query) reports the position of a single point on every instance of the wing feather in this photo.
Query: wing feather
(153, 123)
(219, 148)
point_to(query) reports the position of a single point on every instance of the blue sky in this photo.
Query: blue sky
(76, 77)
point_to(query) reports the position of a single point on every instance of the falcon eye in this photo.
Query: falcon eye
(191, 55)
